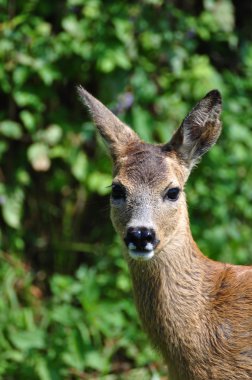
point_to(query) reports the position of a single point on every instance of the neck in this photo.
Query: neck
(168, 294)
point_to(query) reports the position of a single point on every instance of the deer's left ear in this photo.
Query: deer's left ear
(199, 130)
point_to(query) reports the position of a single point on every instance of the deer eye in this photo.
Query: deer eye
(118, 191)
(172, 194)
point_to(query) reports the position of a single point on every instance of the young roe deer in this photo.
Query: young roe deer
(197, 312)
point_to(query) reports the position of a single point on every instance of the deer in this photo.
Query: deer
(196, 312)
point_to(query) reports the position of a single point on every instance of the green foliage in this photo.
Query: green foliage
(85, 324)
(69, 312)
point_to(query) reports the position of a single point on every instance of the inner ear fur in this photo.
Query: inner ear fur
(198, 131)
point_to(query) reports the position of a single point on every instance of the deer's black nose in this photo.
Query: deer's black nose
(139, 237)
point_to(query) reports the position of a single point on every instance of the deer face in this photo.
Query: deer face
(147, 198)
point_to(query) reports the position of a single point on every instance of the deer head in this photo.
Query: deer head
(148, 202)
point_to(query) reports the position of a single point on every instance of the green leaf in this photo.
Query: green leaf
(74, 357)
(71, 25)
(26, 340)
(3, 148)
(99, 183)
(11, 129)
(142, 123)
(24, 99)
(43, 370)
(28, 119)
(95, 361)
(15, 356)
(12, 208)
(38, 155)
(52, 134)
(79, 167)
(48, 74)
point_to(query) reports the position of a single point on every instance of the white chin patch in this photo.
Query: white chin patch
(141, 255)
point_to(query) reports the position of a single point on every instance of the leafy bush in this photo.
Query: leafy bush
(85, 324)
(66, 303)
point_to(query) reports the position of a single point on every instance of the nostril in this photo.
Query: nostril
(149, 238)
(137, 234)
(148, 235)
(134, 235)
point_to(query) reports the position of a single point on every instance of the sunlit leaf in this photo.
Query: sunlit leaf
(79, 166)
(12, 207)
(10, 129)
(38, 155)
(26, 340)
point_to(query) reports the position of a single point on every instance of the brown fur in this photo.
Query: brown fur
(197, 312)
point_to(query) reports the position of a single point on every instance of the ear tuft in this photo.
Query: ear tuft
(215, 95)
(84, 96)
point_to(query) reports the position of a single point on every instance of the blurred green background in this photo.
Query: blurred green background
(66, 308)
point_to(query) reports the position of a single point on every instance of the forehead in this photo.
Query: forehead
(148, 164)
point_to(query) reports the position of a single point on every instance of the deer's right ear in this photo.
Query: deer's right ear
(116, 134)
(199, 130)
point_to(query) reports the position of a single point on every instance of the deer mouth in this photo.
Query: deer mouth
(141, 254)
